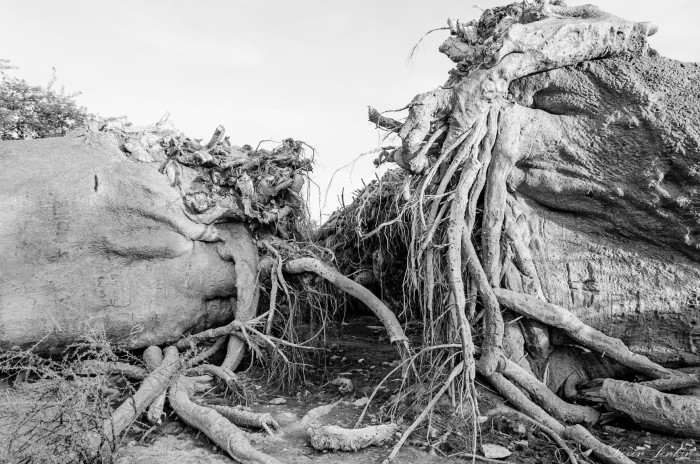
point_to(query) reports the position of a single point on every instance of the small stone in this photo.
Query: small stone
(344, 384)
(360, 361)
(361, 402)
(520, 428)
(492, 451)
(278, 401)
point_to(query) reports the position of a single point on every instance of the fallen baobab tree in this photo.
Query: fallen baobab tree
(561, 149)
(124, 239)
(543, 223)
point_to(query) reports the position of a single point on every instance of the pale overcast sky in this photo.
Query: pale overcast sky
(305, 69)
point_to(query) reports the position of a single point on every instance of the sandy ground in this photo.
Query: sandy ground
(364, 355)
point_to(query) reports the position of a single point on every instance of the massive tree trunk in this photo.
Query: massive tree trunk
(596, 178)
(92, 240)
(545, 221)
(607, 197)
(133, 237)
(586, 200)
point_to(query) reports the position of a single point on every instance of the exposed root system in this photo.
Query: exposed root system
(439, 242)
(458, 149)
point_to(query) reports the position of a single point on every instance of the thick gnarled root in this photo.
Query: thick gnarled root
(243, 418)
(560, 318)
(153, 358)
(215, 426)
(542, 395)
(652, 409)
(388, 318)
(600, 451)
(151, 388)
(224, 376)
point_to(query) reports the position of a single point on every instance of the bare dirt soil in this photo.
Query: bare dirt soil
(363, 355)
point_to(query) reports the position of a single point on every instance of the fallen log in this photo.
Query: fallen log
(332, 437)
